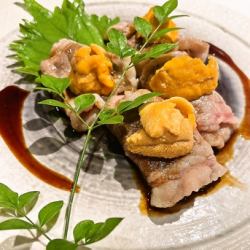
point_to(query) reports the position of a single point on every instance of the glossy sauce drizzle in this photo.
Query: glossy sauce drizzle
(11, 103)
(245, 125)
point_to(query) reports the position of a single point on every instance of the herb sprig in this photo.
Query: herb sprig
(17, 207)
(37, 38)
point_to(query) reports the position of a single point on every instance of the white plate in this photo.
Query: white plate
(108, 188)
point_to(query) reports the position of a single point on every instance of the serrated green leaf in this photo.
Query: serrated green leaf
(116, 119)
(60, 244)
(103, 23)
(8, 198)
(142, 26)
(81, 230)
(83, 102)
(54, 103)
(15, 224)
(58, 85)
(27, 201)
(47, 27)
(154, 52)
(49, 212)
(128, 105)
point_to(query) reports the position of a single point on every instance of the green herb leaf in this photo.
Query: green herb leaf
(128, 105)
(162, 32)
(162, 12)
(159, 13)
(60, 244)
(8, 198)
(177, 16)
(118, 44)
(46, 89)
(143, 27)
(107, 113)
(112, 120)
(50, 212)
(89, 232)
(54, 103)
(47, 27)
(81, 230)
(170, 6)
(15, 224)
(27, 201)
(101, 230)
(57, 85)
(83, 102)
(103, 23)
(155, 52)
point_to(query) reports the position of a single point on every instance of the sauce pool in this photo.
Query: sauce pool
(11, 103)
(219, 53)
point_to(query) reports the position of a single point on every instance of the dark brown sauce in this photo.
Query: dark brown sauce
(245, 125)
(11, 103)
(223, 156)
(187, 202)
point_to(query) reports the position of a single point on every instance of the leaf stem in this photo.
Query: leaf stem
(76, 177)
(150, 37)
(87, 139)
(82, 158)
(37, 227)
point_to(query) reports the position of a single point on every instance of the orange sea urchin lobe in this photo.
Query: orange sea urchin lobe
(186, 77)
(91, 71)
(167, 129)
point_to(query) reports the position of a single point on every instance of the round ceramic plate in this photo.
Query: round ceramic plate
(108, 184)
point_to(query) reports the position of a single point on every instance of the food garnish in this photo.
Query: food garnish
(38, 36)
(169, 24)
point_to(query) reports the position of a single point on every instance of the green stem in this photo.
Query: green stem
(77, 115)
(85, 146)
(82, 158)
(76, 177)
(150, 37)
(37, 227)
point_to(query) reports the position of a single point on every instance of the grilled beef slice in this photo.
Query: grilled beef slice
(173, 179)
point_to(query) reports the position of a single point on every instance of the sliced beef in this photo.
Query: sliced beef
(58, 65)
(126, 28)
(194, 47)
(215, 119)
(172, 180)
